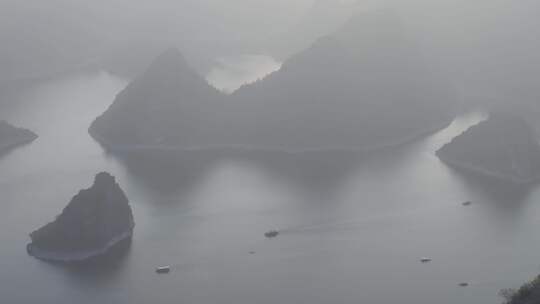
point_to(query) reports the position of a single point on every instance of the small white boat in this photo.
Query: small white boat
(163, 269)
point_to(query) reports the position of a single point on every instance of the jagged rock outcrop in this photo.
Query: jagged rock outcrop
(11, 136)
(364, 87)
(93, 222)
(504, 146)
(529, 293)
(163, 107)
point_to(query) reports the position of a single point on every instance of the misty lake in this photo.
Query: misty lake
(353, 226)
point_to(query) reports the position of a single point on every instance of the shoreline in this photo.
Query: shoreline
(17, 143)
(486, 172)
(71, 257)
(253, 148)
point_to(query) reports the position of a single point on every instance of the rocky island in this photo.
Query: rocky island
(363, 87)
(529, 293)
(504, 146)
(11, 136)
(93, 222)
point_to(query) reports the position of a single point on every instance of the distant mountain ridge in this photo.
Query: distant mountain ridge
(364, 87)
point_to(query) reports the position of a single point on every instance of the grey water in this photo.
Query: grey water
(353, 226)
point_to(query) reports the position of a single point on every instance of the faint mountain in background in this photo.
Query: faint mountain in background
(365, 86)
(323, 18)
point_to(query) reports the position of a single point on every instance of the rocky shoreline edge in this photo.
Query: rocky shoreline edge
(72, 257)
(488, 173)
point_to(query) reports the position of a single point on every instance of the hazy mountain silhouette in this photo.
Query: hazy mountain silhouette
(323, 17)
(161, 107)
(504, 146)
(363, 87)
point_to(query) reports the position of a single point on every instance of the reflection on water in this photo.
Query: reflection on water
(353, 225)
(498, 191)
(172, 171)
(101, 269)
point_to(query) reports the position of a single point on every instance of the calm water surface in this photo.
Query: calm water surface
(353, 226)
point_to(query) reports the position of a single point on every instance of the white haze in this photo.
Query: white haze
(353, 228)
(488, 48)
